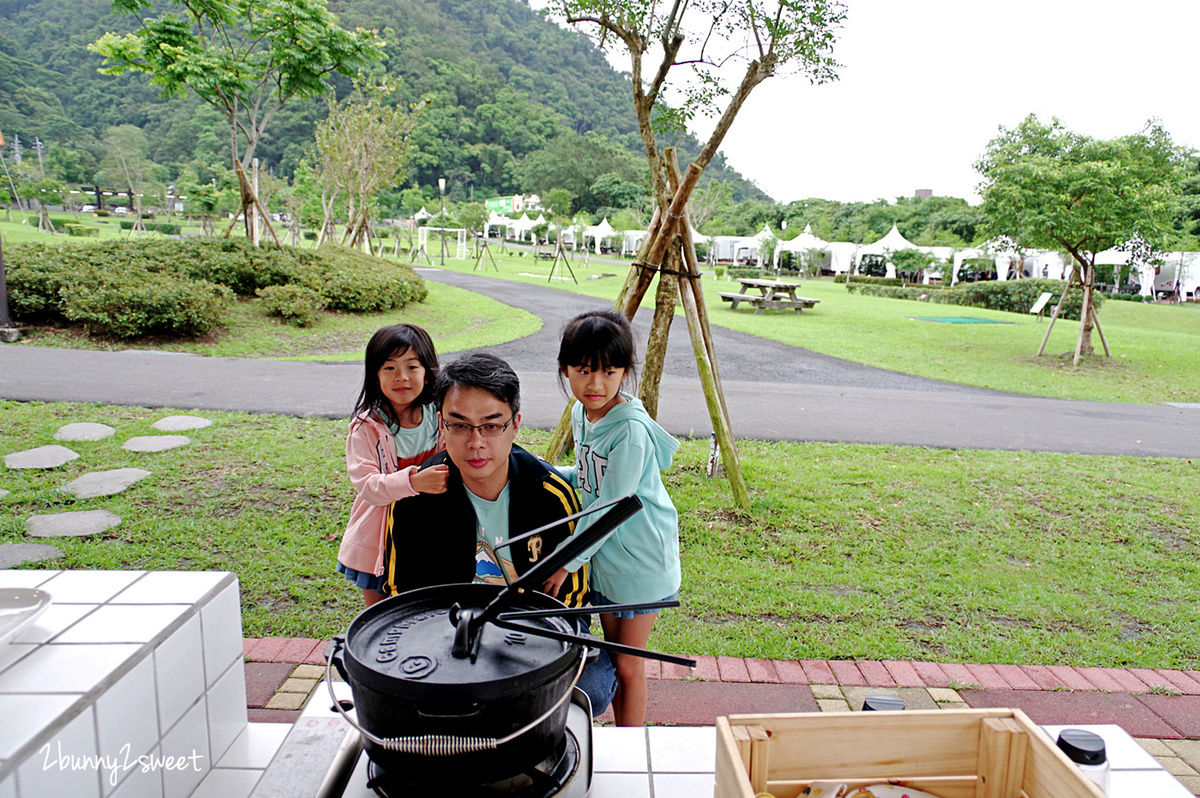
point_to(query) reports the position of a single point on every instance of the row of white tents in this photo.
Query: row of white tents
(842, 257)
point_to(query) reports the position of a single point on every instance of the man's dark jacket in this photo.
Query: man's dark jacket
(431, 536)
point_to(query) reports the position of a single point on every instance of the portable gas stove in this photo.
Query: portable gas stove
(323, 750)
(566, 773)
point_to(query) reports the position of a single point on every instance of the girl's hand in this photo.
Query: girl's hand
(551, 585)
(431, 480)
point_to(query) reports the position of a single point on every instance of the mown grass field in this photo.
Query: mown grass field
(847, 551)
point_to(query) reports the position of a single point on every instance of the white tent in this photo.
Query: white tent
(891, 242)
(497, 220)
(599, 232)
(804, 241)
(632, 240)
(522, 226)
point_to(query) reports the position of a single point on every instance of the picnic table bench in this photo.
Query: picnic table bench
(773, 295)
(544, 255)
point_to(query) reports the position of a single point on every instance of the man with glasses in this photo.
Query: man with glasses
(495, 490)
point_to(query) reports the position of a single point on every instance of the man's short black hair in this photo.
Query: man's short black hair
(479, 370)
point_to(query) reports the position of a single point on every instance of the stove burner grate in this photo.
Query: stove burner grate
(544, 780)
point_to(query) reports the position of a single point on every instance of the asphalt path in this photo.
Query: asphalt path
(774, 391)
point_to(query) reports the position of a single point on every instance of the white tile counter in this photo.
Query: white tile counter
(129, 685)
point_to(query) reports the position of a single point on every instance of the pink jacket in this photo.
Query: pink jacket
(379, 479)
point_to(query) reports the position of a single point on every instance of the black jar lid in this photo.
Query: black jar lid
(882, 702)
(1082, 747)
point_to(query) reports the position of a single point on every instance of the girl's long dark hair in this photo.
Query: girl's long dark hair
(385, 343)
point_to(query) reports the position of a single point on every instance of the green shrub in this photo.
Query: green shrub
(295, 304)
(51, 282)
(356, 283)
(309, 235)
(1011, 296)
(738, 273)
(132, 304)
(100, 212)
(81, 231)
(867, 279)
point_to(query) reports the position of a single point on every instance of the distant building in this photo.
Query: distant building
(517, 203)
(923, 193)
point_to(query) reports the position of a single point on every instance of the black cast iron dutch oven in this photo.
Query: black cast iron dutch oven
(398, 659)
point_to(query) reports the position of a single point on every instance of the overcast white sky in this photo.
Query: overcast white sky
(925, 85)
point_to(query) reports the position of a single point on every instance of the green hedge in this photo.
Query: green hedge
(865, 279)
(82, 231)
(743, 273)
(1011, 296)
(166, 228)
(111, 286)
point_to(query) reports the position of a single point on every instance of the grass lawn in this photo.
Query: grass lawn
(848, 551)
(1153, 346)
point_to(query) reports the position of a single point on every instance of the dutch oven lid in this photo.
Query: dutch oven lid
(406, 642)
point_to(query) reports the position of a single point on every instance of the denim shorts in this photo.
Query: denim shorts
(362, 579)
(599, 601)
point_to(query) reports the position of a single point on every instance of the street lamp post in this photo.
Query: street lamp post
(442, 218)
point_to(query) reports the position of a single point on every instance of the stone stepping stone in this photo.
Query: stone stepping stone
(104, 483)
(80, 523)
(14, 554)
(155, 443)
(51, 456)
(4, 492)
(83, 431)
(180, 423)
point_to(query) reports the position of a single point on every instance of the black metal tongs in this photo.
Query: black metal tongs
(469, 622)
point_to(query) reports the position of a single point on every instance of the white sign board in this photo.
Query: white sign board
(1041, 302)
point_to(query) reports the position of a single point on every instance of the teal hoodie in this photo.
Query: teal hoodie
(620, 454)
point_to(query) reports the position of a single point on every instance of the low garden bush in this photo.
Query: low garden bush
(1011, 296)
(166, 228)
(195, 278)
(741, 272)
(295, 304)
(82, 231)
(867, 279)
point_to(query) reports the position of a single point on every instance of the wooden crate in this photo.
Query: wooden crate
(951, 753)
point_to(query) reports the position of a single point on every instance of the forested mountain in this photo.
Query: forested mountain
(504, 83)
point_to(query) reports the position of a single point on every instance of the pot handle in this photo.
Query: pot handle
(335, 653)
(442, 744)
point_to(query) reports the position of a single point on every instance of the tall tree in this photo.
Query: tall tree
(246, 58)
(1045, 186)
(692, 40)
(364, 145)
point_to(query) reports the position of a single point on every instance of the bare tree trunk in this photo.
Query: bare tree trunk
(1083, 348)
(660, 330)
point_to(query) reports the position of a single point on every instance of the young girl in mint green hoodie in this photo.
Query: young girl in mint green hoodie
(620, 450)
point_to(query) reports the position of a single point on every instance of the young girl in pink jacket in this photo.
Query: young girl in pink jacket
(394, 430)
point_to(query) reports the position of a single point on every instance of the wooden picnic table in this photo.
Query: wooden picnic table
(772, 295)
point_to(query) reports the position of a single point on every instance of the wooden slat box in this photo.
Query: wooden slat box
(951, 753)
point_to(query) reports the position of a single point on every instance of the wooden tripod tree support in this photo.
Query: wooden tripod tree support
(661, 234)
(249, 200)
(1075, 278)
